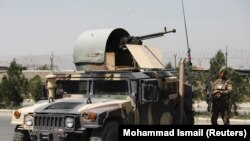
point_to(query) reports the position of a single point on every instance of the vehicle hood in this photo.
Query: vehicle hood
(76, 106)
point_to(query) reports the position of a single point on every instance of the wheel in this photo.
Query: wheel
(177, 116)
(21, 135)
(110, 131)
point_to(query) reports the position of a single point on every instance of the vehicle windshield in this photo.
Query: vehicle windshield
(71, 87)
(117, 89)
(114, 88)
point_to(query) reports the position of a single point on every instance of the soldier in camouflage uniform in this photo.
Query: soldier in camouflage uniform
(221, 91)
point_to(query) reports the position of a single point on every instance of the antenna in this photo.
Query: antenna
(189, 50)
(175, 61)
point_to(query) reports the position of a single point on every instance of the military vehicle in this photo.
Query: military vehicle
(118, 81)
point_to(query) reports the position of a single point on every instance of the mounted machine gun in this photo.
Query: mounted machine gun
(138, 39)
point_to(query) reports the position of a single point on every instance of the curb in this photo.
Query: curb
(5, 112)
(242, 121)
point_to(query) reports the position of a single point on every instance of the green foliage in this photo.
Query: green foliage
(25, 86)
(238, 85)
(1, 97)
(13, 85)
(200, 81)
(197, 80)
(169, 66)
(247, 84)
(35, 86)
(215, 64)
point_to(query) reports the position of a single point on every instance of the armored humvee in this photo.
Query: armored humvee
(118, 81)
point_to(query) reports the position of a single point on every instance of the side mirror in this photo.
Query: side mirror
(59, 91)
(149, 91)
(43, 93)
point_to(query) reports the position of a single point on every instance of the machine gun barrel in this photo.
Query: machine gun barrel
(145, 37)
(137, 40)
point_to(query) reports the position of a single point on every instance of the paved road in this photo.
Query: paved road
(206, 121)
(243, 108)
(6, 129)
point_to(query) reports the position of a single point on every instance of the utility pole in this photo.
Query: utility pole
(175, 61)
(51, 61)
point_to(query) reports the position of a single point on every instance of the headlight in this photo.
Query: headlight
(28, 120)
(90, 116)
(69, 122)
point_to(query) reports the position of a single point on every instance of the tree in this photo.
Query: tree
(169, 66)
(1, 95)
(201, 80)
(13, 85)
(239, 85)
(215, 64)
(35, 86)
(247, 84)
(25, 87)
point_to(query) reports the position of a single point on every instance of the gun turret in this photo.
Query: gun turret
(107, 49)
(138, 39)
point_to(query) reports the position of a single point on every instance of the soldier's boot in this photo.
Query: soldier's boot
(225, 118)
(214, 119)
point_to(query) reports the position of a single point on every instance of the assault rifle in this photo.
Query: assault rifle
(209, 97)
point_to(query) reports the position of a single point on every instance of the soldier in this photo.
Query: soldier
(221, 91)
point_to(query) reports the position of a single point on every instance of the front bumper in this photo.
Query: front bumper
(51, 127)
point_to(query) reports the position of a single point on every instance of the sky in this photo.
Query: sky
(39, 27)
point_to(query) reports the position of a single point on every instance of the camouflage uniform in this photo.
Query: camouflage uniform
(221, 100)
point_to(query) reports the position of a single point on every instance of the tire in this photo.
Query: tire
(110, 131)
(21, 135)
(177, 120)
